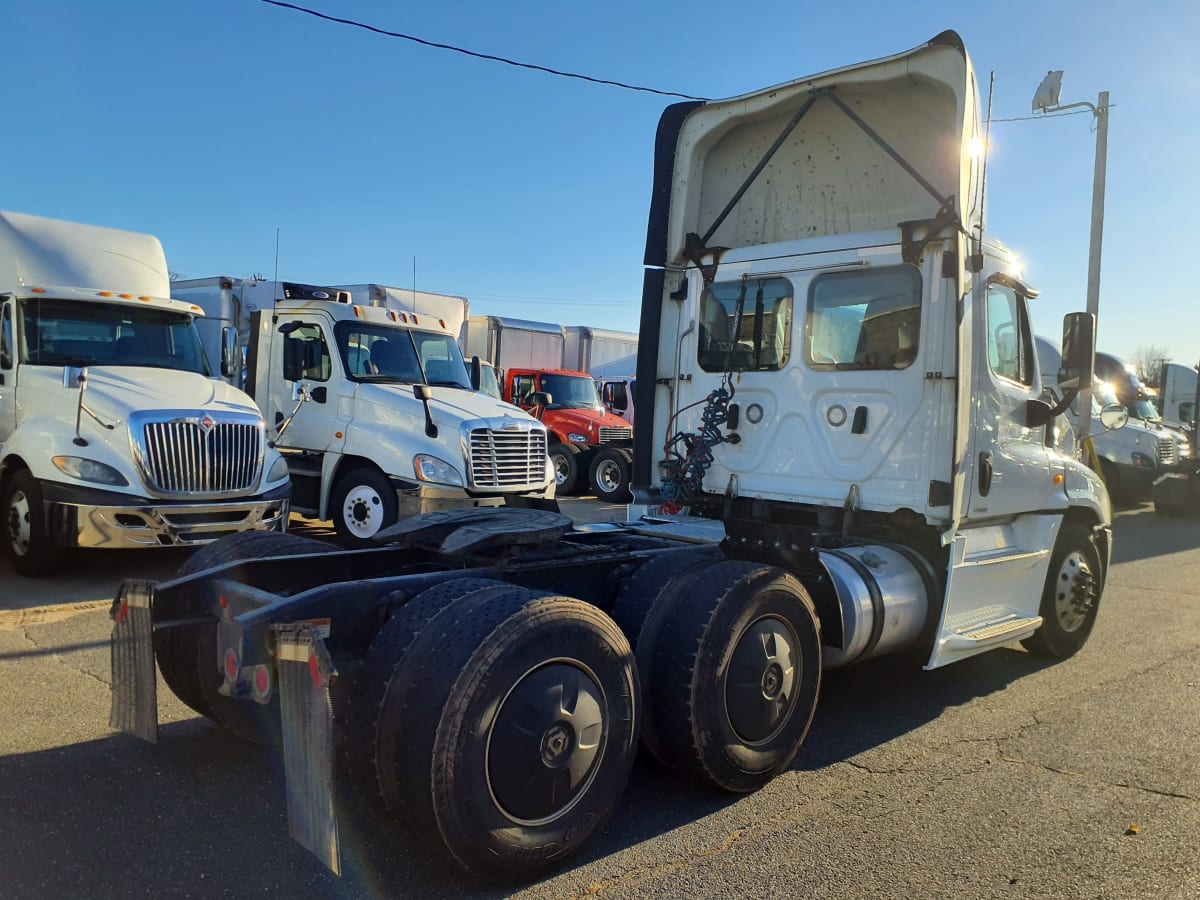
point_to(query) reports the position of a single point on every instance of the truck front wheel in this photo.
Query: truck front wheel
(1071, 597)
(567, 461)
(363, 504)
(29, 547)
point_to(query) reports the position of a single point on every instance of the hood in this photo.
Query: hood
(113, 392)
(584, 421)
(449, 407)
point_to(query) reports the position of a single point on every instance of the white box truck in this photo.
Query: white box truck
(448, 308)
(114, 431)
(600, 352)
(1177, 395)
(373, 407)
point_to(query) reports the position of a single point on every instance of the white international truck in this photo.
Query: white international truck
(114, 432)
(372, 407)
(842, 370)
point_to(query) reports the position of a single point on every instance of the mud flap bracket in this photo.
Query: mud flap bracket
(305, 673)
(134, 680)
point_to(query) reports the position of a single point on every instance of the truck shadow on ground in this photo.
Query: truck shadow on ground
(1142, 533)
(205, 814)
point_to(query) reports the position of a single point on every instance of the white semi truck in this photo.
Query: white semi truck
(372, 407)
(842, 371)
(114, 431)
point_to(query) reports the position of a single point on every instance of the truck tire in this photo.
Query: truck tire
(187, 656)
(1071, 597)
(29, 546)
(568, 464)
(517, 730)
(737, 674)
(363, 504)
(644, 601)
(364, 704)
(609, 475)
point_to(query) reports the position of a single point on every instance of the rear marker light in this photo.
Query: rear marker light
(262, 680)
(231, 665)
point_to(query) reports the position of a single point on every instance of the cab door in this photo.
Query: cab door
(305, 348)
(1011, 462)
(8, 370)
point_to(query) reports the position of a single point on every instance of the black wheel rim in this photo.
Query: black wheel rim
(762, 682)
(546, 742)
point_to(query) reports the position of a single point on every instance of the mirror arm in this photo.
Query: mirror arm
(1069, 396)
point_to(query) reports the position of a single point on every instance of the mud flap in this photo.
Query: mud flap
(134, 680)
(305, 672)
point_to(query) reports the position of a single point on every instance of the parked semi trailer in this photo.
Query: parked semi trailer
(850, 409)
(373, 406)
(113, 431)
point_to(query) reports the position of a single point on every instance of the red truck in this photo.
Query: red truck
(588, 445)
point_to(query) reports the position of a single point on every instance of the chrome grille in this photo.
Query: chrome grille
(507, 457)
(1165, 451)
(201, 455)
(609, 434)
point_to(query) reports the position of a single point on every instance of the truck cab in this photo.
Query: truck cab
(114, 430)
(588, 445)
(373, 408)
(855, 356)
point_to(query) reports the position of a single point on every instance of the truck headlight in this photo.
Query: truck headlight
(576, 438)
(279, 471)
(1142, 461)
(89, 470)
(430, 468)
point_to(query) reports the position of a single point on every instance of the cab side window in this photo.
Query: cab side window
(6, 338)
(1009, 342)
(523, 386)
(307, 343)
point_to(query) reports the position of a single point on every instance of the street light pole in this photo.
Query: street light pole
(1046, 99)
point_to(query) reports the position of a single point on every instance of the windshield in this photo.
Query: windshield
(570, 392)
(379, 353)
(488, 383)
(85, 333)
(1144, 409)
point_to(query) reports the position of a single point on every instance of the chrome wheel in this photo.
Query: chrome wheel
(1074, 591)
(19, 528)
(608, 476)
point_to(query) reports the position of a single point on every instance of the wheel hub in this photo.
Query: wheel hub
(1075, 592)
(608, 475)
(18, 523)
(761, 684)
(363, 511)
(546, 742)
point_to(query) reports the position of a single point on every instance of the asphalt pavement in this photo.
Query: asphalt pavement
(1001, 776)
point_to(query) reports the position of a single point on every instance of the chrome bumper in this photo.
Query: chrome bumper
(167, 525)
(413, 500)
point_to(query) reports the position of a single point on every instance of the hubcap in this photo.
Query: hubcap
(546, 742)
(608, 476)
(1074, 592)
(761, 684)
(363, 511)
(560, 469)
(19, 527)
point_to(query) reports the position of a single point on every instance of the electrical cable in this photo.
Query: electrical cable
(487, 56)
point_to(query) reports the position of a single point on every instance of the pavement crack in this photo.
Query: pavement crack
(1126, 785)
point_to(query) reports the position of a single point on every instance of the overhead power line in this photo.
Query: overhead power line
(487, 56)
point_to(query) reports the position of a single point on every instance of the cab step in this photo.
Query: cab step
(986, 627)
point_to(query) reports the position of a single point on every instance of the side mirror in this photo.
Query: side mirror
(476, 373)
(1114, 416)
(540, 398)
(299, 356)
(1078, 351)
(230, 358)
(423, 392)
(1038, 413)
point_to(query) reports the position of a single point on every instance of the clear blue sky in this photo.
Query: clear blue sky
(210, 123)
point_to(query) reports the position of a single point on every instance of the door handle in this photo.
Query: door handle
(985, 473)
